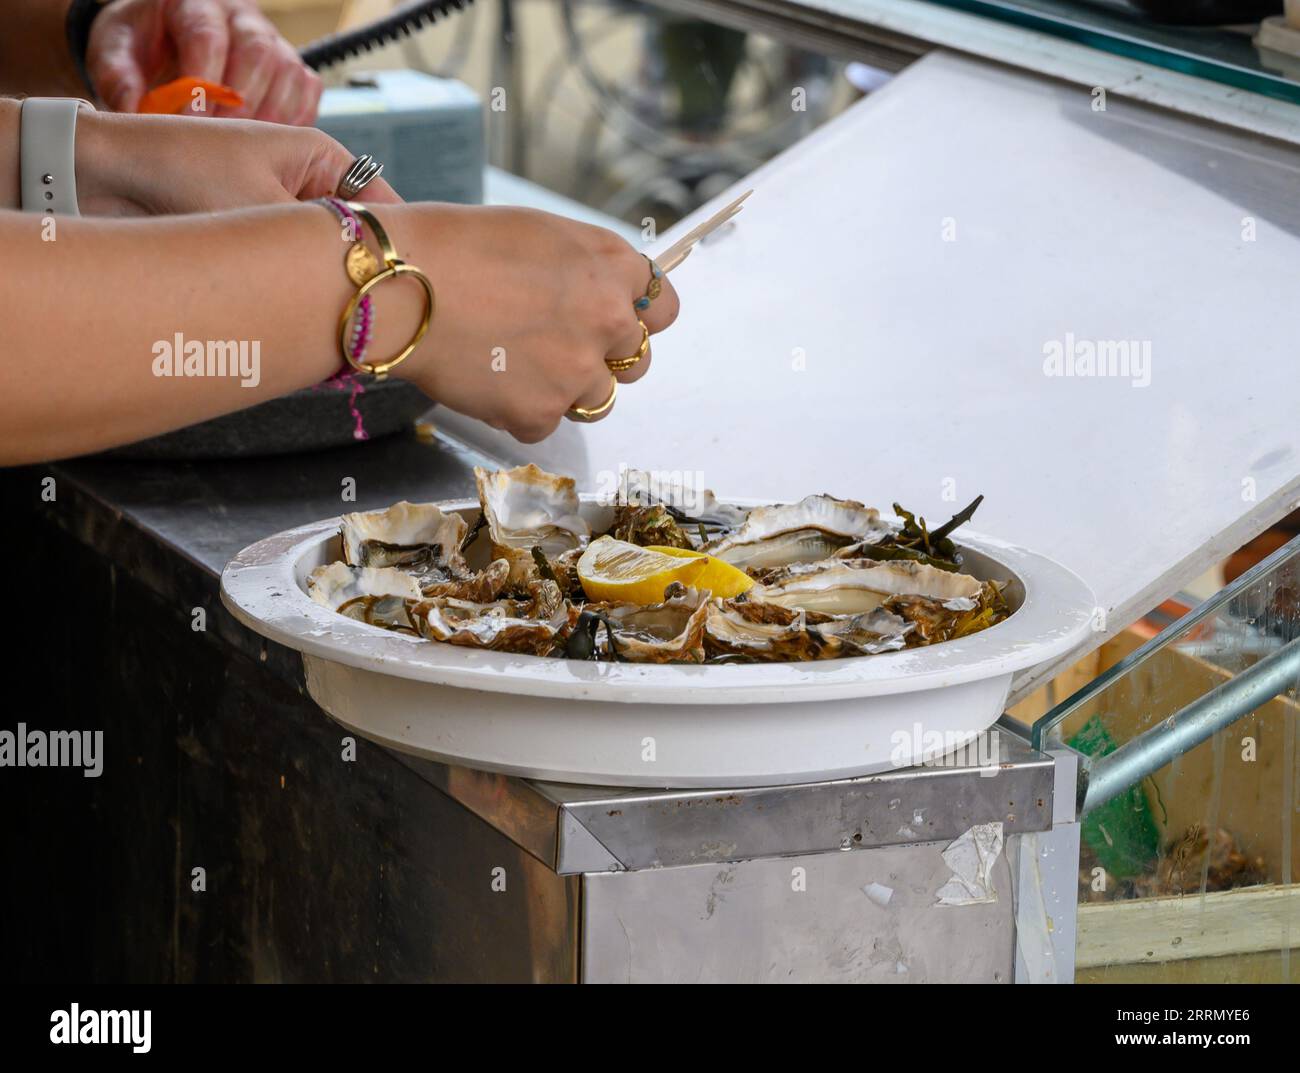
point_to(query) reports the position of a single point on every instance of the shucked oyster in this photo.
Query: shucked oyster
(338, 583)
(482, 587)
(527, 508)
(867, 634)
(768, 632)
(689, 505)
(377, 595)
(648, 526)
(852, 586)
(532, 626)
(812, 529)
(413, 536)
(943, 620)
(667, 632)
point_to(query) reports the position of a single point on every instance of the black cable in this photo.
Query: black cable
(402, 22)
(326, 52)
(81, 14)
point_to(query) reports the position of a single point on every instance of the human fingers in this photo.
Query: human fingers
(200, 33)
(252, 62)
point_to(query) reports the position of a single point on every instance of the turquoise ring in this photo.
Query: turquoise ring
(653, 288)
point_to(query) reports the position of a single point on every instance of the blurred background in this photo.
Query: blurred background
(633, 111)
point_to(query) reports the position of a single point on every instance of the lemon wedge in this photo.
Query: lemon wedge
(722, 579)
(620, 572)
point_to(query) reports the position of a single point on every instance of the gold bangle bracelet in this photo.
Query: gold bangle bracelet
(381, 236)
(394, 267)
(380, 369)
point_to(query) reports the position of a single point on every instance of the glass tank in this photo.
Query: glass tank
(1189, 873)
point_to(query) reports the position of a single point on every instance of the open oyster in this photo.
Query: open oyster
(754, 630)
(868, 634)
(377, 595)
(533, 626)
(482, 587)
(667, 632)
(689, 506)
(766, 633)
(527, 508)
(812, 529)
(937, 620)
(411, 536)
(652, 526)
(852, 586)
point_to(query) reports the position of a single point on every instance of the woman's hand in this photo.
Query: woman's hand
(136, 44)
(163, 165)
(529, 306)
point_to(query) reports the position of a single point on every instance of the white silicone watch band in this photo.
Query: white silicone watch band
(47, 155)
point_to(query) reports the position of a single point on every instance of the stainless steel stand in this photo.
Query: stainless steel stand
(831, 881)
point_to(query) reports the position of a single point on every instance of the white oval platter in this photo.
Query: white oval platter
(625, 724)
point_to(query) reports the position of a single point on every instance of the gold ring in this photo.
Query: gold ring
(621, 365)
(595, 413)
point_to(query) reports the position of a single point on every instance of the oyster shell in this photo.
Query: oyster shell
(812, 529)
(668, 632)
(733, 629)
(640, 487)
(868, 634)
(533, 626)
(854, 586)
(377, 595)
(649, 526)
(768, 632)
(413, 536)
(936, 620)
(485, 586)
(528, 508)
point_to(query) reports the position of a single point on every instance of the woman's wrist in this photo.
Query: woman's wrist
(109, 165)
(92, 157)
(101, 177)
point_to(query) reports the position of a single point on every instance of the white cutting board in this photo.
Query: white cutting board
(834, 340)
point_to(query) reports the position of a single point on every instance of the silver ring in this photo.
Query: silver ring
(364, 169)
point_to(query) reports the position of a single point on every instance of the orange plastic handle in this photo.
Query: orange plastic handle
(174, 97)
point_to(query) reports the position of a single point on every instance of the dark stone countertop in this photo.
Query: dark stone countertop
(174, 525)
(208, 511)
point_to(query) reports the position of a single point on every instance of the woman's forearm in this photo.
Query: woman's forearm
(119, 330)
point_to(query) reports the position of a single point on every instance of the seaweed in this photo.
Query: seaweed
(892, 552)
(544, 568)
(916, 536)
